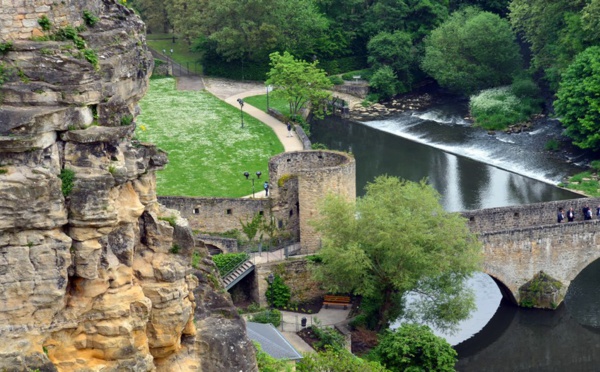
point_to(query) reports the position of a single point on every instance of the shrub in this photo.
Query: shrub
(267, 363)
(268, 316)
(228, 261)
(595, 165)
(496, 108)
(126, 120)
(67, 176)
(385, 82)
(328, 337)
(89, 18)
(364, 74)
(44, 23)
(278, 294)
(92, 57)
(336, 80)
(196, 257)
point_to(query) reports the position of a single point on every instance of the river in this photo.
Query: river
(472, 170)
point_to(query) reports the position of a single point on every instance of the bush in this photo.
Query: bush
(364, 74)
(496, 108)
(89, 18)
(229, 261)
(267, 363)
(336, 80)
(552, 145)
(278, 294)
(44, 23)
(385, 82)
(328, 337)
(268, 316)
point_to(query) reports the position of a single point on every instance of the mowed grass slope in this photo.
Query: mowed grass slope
(208, 150)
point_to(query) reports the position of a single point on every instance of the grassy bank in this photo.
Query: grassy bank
(208, 150)
(181, 50)
(260, 102)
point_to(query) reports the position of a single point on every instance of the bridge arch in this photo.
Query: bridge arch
(504, 290)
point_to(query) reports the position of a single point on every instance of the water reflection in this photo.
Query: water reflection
(583, 296)
(464, 184)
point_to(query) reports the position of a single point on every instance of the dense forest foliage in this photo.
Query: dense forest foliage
(508, 55)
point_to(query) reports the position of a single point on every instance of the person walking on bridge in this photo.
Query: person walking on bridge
(560, 217)
(587, 212)
(570, 215)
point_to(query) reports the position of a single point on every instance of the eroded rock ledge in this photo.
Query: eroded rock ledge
(91, 277)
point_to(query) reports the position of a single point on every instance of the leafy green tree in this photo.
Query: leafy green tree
(578, 103)
(472, 50)
(298, 81)
(154, 13)
(250, 29)
(395, 239)
(384, 82)
(336, 360)
(499, 7)
(393, 50)
(414, 347)
(556, 30)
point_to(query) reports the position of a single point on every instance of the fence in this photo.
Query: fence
(176, 68)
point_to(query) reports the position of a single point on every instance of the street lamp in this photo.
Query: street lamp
(241, 102)
(247, 175)
(270, 278)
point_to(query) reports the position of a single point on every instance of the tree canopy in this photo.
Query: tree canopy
(336, 360)
(578, 103)
(472, 50)
(297, 81)
(414, 347)
(395, 239)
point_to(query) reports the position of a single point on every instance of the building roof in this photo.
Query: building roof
(272, 341)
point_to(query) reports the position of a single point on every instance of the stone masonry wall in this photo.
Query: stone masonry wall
(216, 214)
(507, 218)
(318, 173)
(514, 256)
(18, 18)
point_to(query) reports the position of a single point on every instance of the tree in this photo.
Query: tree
(298, 81)
(154, 14)
(414, 347)
(578, 103)
(472, 50)
(250, 29)
(556, 30)
(393, 50)
(336, 360)
(384, 82)
(395, 239)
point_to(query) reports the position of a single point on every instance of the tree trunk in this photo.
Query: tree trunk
(386, 303)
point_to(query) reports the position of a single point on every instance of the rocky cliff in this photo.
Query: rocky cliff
(94, 274)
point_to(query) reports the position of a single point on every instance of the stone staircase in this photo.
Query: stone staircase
(237, 274)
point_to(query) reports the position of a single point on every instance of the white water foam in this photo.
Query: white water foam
(440, 118)
(480, 154)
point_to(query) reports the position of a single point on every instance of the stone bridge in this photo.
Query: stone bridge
(522, 243)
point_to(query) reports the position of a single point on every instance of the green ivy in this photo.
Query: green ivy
(278, 294)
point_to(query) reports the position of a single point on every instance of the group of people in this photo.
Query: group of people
(586, 212)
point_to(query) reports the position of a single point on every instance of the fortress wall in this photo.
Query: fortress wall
(18, 18)
(562, 251)
(516, 217)
(318, 172)
(216, 214)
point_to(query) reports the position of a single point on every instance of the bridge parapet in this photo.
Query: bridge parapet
(522, 216)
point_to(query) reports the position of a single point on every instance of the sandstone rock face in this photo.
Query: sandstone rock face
(91, 277)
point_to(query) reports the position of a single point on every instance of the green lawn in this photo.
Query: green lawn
(181, 50)
(208, 150)
(260, 102)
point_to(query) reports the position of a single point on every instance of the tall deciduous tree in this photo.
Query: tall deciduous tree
(414, 347)
(472, 50)
(297, 81)
(396, 51)
(395, 239)
(557, 30)
(578, 103)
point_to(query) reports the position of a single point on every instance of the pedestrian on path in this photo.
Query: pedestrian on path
(560, 216)
(289, 128)
(266, 186)
(570, 215)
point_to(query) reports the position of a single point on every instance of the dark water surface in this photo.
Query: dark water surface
(437, 145)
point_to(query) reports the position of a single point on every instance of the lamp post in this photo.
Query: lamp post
(270, 278)
(247, 175)
(241, 102)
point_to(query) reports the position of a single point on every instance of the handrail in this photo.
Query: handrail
(235, 268)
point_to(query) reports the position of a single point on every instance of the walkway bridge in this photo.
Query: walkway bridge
(520, 242)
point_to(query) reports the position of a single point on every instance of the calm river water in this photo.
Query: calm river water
(473, 170)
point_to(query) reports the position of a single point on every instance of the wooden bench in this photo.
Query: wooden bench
(336, 300)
